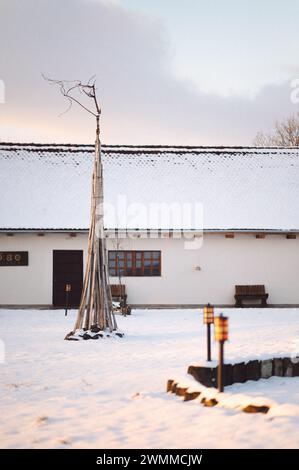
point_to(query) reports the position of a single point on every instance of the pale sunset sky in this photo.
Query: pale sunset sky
(168, 71)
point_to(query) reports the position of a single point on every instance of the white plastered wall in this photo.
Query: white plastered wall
(223, 262)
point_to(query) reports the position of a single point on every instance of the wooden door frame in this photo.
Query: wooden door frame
(64, 250)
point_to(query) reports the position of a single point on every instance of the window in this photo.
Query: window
(134, 263)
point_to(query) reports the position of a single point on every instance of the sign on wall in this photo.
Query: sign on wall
(13, 258)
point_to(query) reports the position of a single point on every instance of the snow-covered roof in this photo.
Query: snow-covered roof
(48, 186)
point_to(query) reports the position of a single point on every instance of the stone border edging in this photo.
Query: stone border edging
(243, 371)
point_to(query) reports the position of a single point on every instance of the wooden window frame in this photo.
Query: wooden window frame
(143, 257)
(14, 258)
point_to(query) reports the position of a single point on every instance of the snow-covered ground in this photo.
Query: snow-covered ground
(111, 392)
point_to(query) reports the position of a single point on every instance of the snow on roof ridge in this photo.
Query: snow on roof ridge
(145, 149)
(145, 146)
(271, 231)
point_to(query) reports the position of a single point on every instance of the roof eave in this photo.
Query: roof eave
(143, 230)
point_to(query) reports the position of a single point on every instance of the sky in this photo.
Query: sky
(190, 72)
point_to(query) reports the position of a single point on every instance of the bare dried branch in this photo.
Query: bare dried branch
(69, 87)
(284, 134)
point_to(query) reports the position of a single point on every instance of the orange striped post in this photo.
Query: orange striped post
(208, 319)
(221, 335)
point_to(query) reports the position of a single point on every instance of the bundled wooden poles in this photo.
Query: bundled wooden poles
(95, 315)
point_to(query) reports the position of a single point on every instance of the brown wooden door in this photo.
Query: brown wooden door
(67, 269)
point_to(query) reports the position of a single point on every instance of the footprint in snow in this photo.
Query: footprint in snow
(65, 442)
(41, 420)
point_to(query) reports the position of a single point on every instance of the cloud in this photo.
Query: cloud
(142, 100)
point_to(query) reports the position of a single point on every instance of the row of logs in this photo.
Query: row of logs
(175, 388)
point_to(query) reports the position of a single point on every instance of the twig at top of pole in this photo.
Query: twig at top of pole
(69, 87)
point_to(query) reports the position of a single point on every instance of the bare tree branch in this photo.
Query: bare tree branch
(284, 134)
(69, 87)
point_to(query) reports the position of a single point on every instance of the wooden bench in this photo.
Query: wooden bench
(250, 293)
(118, 292)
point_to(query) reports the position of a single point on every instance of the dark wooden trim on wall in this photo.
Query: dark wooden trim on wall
(14, 258)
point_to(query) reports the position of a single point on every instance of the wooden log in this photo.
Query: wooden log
(209, 402)
(278, 367)
(253, 370)
(256, 409)
(69, 338)
(180, 391)
(228, 374)
(239, 372)
(296, 369)
(287, 367)
(191, 395)
(266, 369)
(169, 385)
(204, 375)
(290, 367)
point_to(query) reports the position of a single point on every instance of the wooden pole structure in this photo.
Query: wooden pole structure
(95, 316)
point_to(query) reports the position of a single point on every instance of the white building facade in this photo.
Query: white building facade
(248, 233)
